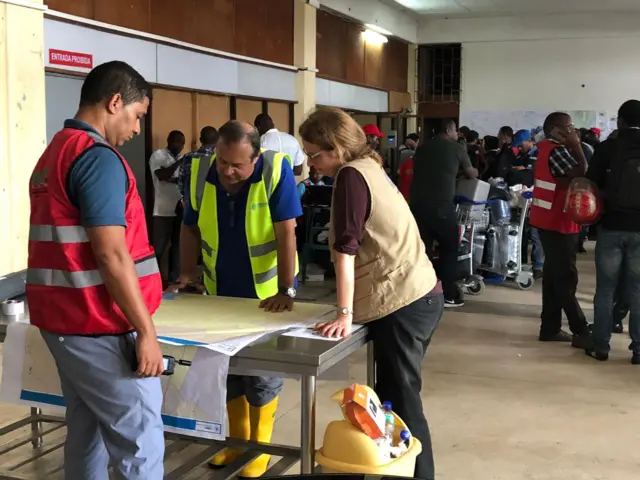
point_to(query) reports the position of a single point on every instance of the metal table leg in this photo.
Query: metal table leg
(36, 428)
(371, 366)
(308, 425)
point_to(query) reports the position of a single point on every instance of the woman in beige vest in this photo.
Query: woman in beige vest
(384, 277)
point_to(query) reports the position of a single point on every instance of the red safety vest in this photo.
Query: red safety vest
(549, 197)
(406, 178)
(65, 290)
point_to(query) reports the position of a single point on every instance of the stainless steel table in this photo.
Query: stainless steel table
(283, 356)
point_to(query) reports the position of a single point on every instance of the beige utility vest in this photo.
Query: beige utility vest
(392, 269)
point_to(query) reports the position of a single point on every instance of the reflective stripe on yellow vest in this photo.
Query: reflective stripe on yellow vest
(261, 237)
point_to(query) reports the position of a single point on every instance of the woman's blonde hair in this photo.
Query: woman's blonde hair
(333, 129)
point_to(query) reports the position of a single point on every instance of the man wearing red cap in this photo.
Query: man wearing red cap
(373, 134)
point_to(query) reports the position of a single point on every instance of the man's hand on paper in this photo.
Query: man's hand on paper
(185, 282)
(278, 303)
(149, 354)
(339, 327)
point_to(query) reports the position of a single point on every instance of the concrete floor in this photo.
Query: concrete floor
(501, 405)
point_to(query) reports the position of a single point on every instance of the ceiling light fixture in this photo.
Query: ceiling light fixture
(374, 38)
(378, 29)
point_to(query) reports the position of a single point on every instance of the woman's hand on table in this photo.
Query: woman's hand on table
(278, 303)
(339, 327)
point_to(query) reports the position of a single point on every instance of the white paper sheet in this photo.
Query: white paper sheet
(308, 332)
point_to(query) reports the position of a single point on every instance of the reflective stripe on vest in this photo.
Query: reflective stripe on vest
(261, 238)
(542, 204)
(546, 185)
(83, 278)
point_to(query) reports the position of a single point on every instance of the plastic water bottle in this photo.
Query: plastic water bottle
(389, 421)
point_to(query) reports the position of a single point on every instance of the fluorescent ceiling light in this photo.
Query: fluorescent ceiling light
(374, 38)
(378, 29)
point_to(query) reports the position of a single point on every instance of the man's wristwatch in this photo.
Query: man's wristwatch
(344, 311)
(288, 291)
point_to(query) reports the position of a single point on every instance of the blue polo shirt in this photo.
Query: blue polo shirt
(233, 266)
(97, 183)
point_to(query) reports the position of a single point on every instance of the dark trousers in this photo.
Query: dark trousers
(620, 300)
(166, 230)
(559, 284)
(442, 226)
(400, 342)
(617, 254)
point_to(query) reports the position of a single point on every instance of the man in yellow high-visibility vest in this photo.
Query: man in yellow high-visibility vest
(240, 212)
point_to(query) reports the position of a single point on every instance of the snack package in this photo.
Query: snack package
(362, 408)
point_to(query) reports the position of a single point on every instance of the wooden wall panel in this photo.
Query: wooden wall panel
(214, 24)
(279, 45)
(343, 55)
(373, 62)
(260, 29)
(331, 38)
(81, 8)
(398, 101)
(133, 14)
(395, 65)
(354, 46)
(172, 22)
(248, 110)
(250, 35)
(279, 113)
(172, 110)
(212, 110)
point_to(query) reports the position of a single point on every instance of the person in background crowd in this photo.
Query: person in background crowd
(476, 152)
(273, 139)
(520, 171)
(490, 144)
(374, 135)
(405, 178)
(314, 178)
(592, 137)
(506, 156)
(247, 253)
(615, 170)
(408, 148)
(167, 208)
(208, 140)
(560, 159)
(463, 132)
(376, 248)
(522, 174)
(436, 166)
(93, 290)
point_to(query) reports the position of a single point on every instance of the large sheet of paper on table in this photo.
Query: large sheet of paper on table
(201, 329)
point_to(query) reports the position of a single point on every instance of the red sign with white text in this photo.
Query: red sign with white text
(70, 59)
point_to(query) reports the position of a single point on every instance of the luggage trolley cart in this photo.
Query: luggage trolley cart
(473, 221)
(503, 248)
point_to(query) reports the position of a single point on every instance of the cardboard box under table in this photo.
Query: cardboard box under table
(208, 322)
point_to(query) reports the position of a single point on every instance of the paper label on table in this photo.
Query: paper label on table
(308, 332)
(193, 397)
(202, 329)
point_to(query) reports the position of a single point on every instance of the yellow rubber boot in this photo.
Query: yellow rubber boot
(262, 419)
(239, 427)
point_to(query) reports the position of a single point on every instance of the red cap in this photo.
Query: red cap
(371, 129)
(597, 131)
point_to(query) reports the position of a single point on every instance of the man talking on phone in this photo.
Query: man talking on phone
(560, 159)
(93, 283)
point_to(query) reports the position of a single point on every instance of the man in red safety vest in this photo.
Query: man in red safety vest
(560, 159)
(93, 282)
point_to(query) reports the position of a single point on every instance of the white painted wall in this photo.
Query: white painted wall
(550, 74)
(529, 27)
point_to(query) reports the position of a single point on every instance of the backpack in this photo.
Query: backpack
(622, 190)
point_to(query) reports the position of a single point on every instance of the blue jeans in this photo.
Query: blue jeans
(617, 254)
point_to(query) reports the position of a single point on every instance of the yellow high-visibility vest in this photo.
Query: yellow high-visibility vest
(261, 237)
